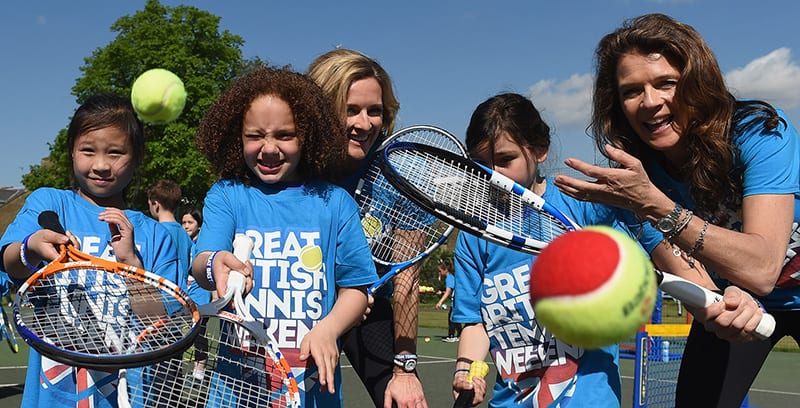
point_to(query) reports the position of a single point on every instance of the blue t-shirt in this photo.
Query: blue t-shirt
(450, 282)
(308, 242)
(533, 367)
(184, 246)
(768, 163)
(50, 384)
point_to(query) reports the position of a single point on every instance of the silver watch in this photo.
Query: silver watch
(667, 225)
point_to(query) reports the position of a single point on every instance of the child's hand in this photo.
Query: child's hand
(122, 240)
(42, 245)
(478, 384)
(224, 263)
(320, 345)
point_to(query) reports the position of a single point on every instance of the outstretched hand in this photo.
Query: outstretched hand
(626, 187)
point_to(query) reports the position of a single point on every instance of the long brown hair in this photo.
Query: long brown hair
(712, 113)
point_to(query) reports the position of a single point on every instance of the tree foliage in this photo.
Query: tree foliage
(184, 40)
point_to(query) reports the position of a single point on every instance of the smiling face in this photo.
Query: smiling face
(364, 116)
(103, 165)
(270, 144)
(646, 89)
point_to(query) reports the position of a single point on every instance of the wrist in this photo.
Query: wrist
(23, 255)
(406, 362)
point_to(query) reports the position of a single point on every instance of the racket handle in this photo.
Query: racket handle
(242, 248)
(695, 295)
(476, 369)
(49, 220)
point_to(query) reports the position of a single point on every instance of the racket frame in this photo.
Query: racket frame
(457, 218)
(70, 259)
(375, 171)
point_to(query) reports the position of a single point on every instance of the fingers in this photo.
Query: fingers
(224, 262)
(42, 245)
(735, 318)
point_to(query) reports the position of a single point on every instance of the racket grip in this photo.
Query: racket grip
(476, 369)
(695, 295)
(242, 248)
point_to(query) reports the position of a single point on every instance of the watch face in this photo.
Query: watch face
(665, 225)
(410, 365)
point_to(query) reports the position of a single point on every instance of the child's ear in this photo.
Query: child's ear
(541, 154)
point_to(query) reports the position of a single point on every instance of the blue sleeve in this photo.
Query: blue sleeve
(219, 221)
(469, 268)
(770, 159)
(450, 281)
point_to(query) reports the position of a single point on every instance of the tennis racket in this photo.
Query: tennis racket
(491, 206)
(399, 233)
(694, 295)
(8, 332)
(476, 369)
(243, 368)
(94, 313)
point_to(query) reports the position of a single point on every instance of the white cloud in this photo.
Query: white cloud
(565, 104)
(773, 77)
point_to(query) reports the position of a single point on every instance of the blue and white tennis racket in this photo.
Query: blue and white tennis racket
(491, 206)
(399, 232)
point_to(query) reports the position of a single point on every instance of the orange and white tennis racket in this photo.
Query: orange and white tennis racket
(94, 313)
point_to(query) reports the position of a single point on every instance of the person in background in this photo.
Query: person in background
(106, 145)
(163, 198)
(719, 177)
(362, 94)
(445, 267)
(192, 221)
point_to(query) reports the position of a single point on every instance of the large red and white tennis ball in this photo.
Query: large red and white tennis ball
(593, 287)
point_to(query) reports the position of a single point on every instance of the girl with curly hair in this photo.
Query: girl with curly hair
(274, 140)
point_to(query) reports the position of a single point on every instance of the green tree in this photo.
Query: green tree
(184, 40)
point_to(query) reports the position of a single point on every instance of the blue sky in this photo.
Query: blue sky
(445, 56)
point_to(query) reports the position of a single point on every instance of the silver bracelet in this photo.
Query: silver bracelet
(697, 244)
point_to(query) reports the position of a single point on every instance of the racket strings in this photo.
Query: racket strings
(385, 213)
(467, 193)
(228, 374)
(98, 312)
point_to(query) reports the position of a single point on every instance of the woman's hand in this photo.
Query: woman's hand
(734, 319)
(627, 187)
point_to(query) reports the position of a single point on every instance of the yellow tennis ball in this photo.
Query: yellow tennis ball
(158, 96)
(311, 258)
(593, 287)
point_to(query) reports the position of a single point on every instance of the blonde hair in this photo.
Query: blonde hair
(336, 70)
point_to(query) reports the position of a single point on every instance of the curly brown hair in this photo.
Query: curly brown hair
(712, 112)
(320, 132)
